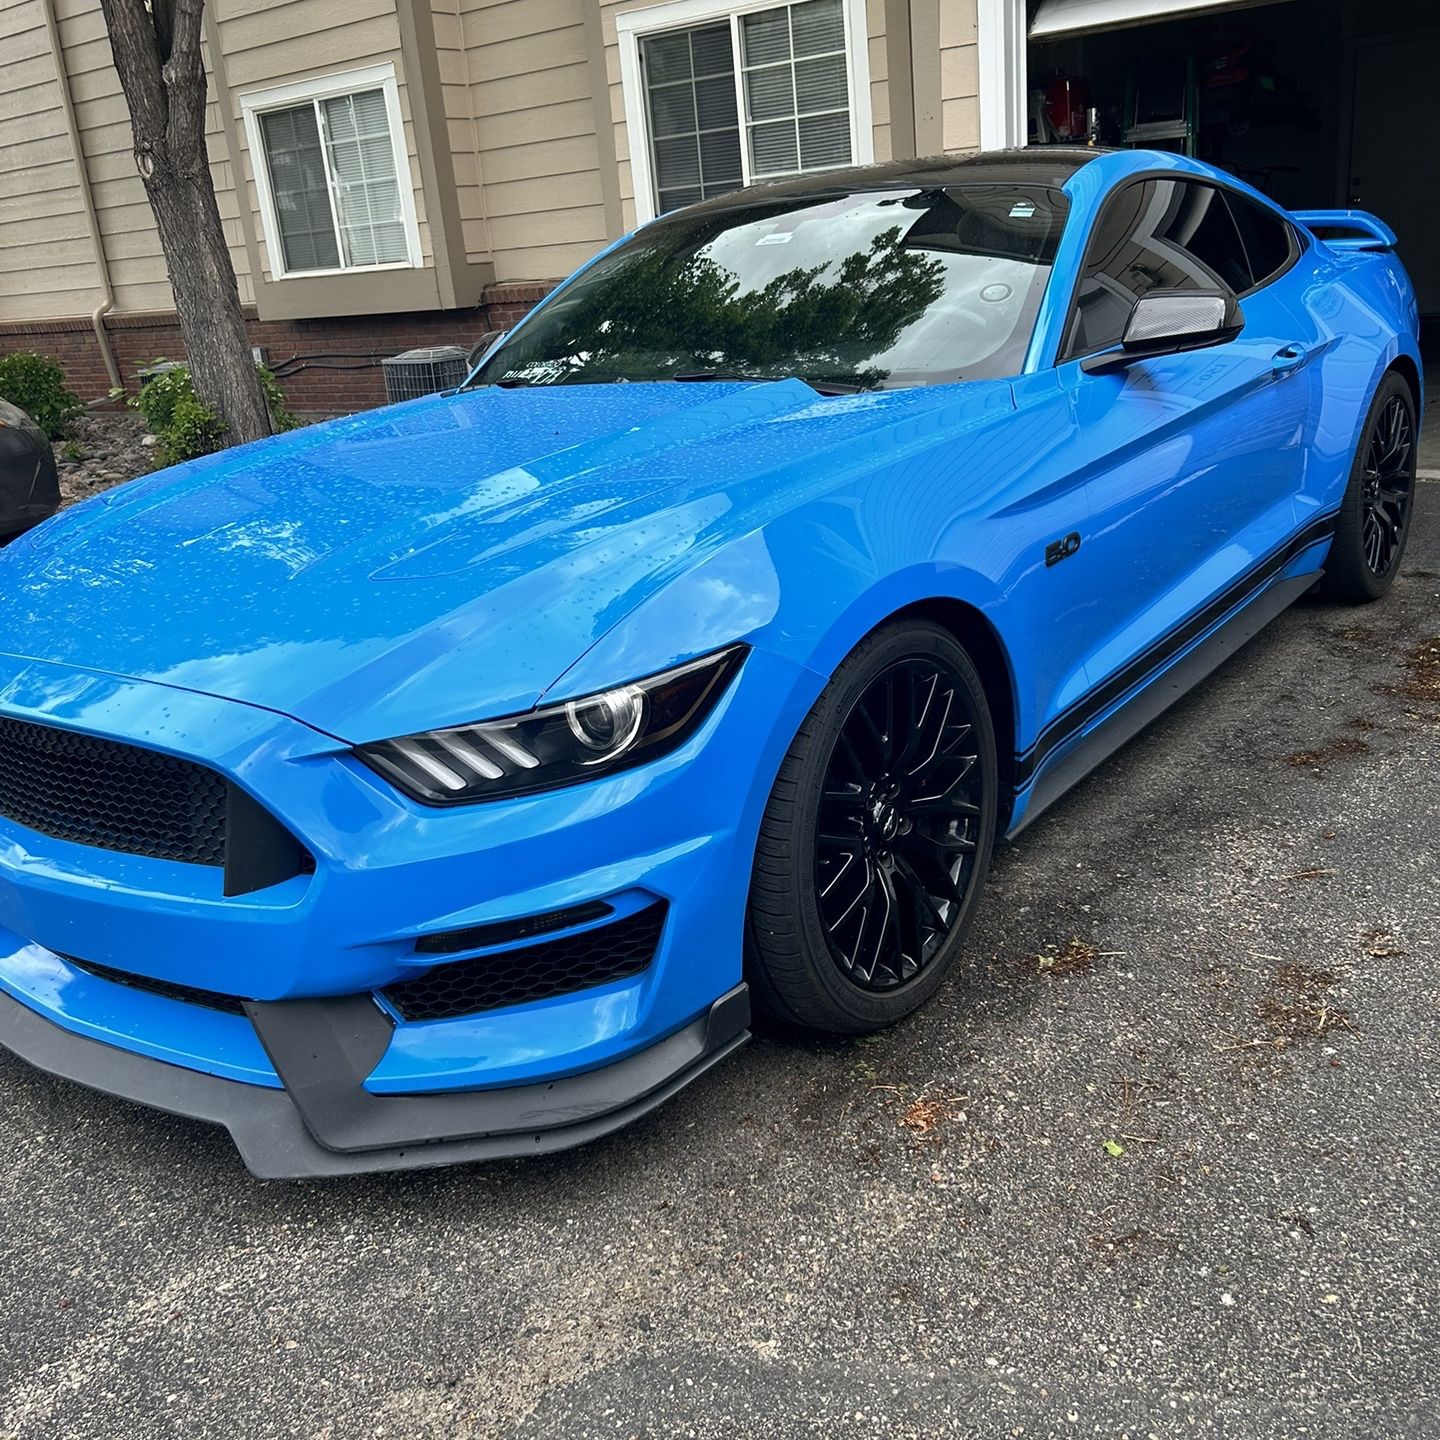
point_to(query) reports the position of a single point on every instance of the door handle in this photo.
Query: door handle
(1288, 358)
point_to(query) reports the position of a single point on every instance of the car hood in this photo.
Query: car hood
(431, 563)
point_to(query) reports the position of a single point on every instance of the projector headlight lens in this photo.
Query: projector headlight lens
(608, 724)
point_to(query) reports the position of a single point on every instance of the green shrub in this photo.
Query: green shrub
(184, 426)
(37, 385)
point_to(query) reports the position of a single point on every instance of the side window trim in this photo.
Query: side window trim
(1064, 352)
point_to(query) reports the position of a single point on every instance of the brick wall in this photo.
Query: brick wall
(329, 365)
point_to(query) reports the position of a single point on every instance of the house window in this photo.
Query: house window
(333, 176)
(741, 93)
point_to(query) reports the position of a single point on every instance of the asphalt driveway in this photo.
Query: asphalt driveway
(1163, 1161)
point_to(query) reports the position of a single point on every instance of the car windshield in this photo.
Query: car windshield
(866, 290)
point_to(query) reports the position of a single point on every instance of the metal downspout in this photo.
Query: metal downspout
(82, 176)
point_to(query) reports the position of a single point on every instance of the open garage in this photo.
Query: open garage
(1315, 102)
(1319, 103)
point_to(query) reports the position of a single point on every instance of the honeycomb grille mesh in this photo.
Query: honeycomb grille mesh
(111, 795)
(533, 972)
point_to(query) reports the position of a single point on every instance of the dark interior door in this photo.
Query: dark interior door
(1392, 160)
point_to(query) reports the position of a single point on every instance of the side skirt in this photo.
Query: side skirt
(1157, 695)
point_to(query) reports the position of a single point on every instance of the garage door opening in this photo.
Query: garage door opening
(1318, 103)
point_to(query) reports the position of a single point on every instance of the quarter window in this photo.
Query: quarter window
(747, 94)
(1269, 240)
(333, 175)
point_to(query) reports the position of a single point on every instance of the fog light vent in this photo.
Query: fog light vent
(505, 932)
(596, 956)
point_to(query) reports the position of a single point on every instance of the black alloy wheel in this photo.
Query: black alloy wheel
(1374, 520)
(877, 837)
(896, 836)
(1389, 485)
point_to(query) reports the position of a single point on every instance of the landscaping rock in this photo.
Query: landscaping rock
(102, 451)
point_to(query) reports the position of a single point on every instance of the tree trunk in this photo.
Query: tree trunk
(157, 54)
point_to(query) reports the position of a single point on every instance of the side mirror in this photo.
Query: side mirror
(478, 349)
(1166, 322)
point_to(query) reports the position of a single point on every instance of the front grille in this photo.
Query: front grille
(533, 972)
(111, 795)
(210, 999)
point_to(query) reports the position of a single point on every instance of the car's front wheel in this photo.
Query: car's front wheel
(877, 837)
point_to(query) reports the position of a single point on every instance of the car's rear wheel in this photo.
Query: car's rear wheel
(1374, 521)
(877, 837)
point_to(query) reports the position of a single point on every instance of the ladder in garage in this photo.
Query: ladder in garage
(1183, 127)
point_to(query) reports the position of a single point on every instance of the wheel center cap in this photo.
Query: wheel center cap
(885, 818)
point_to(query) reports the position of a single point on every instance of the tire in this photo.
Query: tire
(1373, 525)
(852, 812)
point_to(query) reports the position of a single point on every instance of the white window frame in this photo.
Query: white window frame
(256, 103)
(632, 26)
(1004, 97)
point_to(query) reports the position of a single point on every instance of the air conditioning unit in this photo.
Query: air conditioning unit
(424, 371)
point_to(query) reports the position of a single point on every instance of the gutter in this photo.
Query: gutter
(82, 179)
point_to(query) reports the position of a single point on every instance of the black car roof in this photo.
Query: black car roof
(1050, 166)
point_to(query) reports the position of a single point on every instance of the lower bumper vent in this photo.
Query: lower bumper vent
(597, 956)
(167, 989)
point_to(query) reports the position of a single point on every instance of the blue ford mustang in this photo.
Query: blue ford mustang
(447, 781)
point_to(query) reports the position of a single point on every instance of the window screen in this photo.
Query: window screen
(694, 124)
(300, 189)
(797, 89)
(727, 104)
(334, 184)
(1156, 234)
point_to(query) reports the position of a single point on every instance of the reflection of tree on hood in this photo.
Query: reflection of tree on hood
(667, 312)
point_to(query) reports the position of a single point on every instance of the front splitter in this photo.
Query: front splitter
(325, 1123)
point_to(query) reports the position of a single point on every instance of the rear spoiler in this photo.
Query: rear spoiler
(1348, 229)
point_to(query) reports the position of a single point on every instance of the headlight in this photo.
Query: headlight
(558, 744)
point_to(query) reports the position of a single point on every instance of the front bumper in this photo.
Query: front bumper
(325, 1123)
(310, 964)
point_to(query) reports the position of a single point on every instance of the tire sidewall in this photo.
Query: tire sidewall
(863, 1009)
(1354, 567)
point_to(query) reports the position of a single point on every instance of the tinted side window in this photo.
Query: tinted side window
(1157, 234)
(1269, 241)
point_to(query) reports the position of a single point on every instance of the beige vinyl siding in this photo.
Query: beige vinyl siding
(132, 244)
(47, 264)
(879, 88)
(456, 80)
(268, 44)
(534, 124)
(959, 76)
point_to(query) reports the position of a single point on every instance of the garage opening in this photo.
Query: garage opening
(1318, 103)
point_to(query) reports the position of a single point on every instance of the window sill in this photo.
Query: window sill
(382, 290)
